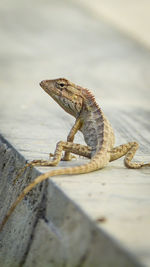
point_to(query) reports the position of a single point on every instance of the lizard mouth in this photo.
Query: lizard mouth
(44, 86)
(49, 88)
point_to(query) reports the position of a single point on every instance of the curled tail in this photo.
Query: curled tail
(85, 168)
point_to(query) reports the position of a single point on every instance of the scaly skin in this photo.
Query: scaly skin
(97, 131)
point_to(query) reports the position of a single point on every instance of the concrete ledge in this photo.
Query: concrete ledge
(65, 235)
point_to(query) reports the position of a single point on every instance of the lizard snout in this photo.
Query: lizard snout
(42, 83)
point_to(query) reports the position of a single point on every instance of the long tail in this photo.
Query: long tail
(85, 168)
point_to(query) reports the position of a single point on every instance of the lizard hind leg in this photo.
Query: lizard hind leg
(67, 156)
(56, 158)
(60, 147)
(129, 151)
(32, 163)
(21, 171)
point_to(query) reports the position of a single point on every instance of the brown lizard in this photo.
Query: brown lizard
(97, 131)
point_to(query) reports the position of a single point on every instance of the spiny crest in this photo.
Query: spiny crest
(89, 96)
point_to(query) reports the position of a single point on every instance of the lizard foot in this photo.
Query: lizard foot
(68, 158)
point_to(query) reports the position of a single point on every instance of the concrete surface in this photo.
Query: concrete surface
(99, 218)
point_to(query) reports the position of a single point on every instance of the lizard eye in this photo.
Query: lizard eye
(61, 85)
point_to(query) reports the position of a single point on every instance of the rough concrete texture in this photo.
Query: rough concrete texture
(15, 239)
(57, 223)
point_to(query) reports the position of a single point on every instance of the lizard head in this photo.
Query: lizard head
(65, 93)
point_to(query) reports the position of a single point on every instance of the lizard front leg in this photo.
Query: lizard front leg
(129, 151)
(76, 127)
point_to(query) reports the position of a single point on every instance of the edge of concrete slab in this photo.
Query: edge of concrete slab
(48, 228)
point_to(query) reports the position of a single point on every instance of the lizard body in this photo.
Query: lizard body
(97, 131)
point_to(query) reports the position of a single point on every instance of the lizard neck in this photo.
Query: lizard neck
(93, 123)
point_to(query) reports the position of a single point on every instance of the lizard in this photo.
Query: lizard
(96, 129)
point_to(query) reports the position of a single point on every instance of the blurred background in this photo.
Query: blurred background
(101, 45)
(130, 16)
(89, 42)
